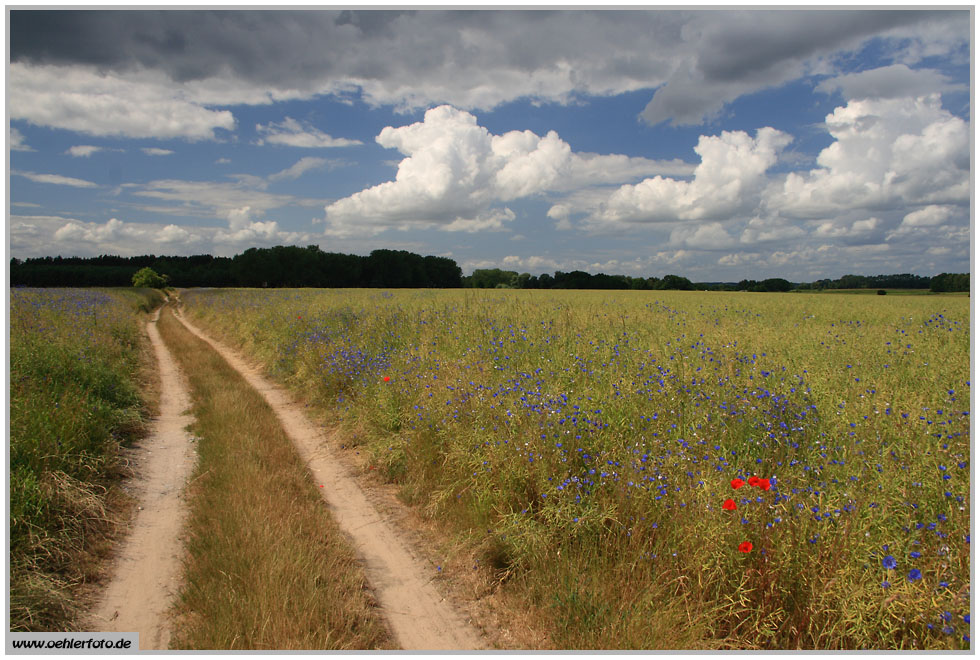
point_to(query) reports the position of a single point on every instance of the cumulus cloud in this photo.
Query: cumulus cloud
(933, 221)
(292, 133)
(729, 180)
(156, 151)
(91, 232)
(455, 172)
(856, 228)
(885, 151)
(56, 179)
(83, 100)
(173, 234)
(929, 216)
(706, 236)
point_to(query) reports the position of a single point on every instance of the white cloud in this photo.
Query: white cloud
(728, 181)
(156, 151)
(832, 229)
(91, 232)
(292, 133)
(222, 161)
(16, 141)
(210, 198)
(173, 234)
(140, 105)
(491, 220)
(759, 230)
(239, 218)
(707, 236)
(932, 222)
(929, 216)
(739, 259)
(302, 166)
(82, 150)
(885, 152)
(50, 235)
(56, 179)
(455, 171)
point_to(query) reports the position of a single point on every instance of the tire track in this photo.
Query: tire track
(419, 616)
(147, 570)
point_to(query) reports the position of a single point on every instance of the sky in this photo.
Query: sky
(718, 145)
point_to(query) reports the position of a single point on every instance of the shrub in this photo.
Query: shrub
(147, 278)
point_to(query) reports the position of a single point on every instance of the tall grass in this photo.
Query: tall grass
(75, 399)
(266, 567)
(584, 444)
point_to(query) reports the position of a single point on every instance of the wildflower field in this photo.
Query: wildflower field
(660, 469)
(75, 399)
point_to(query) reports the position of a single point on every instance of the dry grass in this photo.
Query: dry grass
(266, 566)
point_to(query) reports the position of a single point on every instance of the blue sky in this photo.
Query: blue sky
(718, 144)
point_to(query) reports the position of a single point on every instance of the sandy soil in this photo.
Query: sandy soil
(421, 618)
(146, 572)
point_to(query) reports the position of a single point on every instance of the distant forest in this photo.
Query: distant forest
(293, 266)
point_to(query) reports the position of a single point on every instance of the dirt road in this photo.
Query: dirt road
(420, 617)
(147, 570)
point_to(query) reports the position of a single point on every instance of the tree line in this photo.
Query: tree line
(280, 266)
(491, 278)
(294, 266)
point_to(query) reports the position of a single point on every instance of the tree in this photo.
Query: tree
(950, 282)
(147, 278)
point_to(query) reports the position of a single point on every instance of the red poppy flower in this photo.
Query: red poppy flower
(387, 379)
(745, 546)
(737, 483)
(728, 505)
(763, 484)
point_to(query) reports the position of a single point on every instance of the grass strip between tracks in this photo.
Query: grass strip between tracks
(266, 567)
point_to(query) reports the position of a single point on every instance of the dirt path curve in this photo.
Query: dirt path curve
(420, 618)
(147, 570)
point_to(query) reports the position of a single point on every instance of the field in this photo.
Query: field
(659, 469)
(76, 397)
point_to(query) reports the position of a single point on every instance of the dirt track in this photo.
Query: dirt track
(419, 616)
(147, 570)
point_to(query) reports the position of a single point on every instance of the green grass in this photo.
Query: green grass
(266, 567)
(890, 292)
(76, 372)
(582, 443)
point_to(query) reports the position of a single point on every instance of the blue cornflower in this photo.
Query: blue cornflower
(886, 584)
(915, 574)
(889, 562)
(915, 555)
(966, 618)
